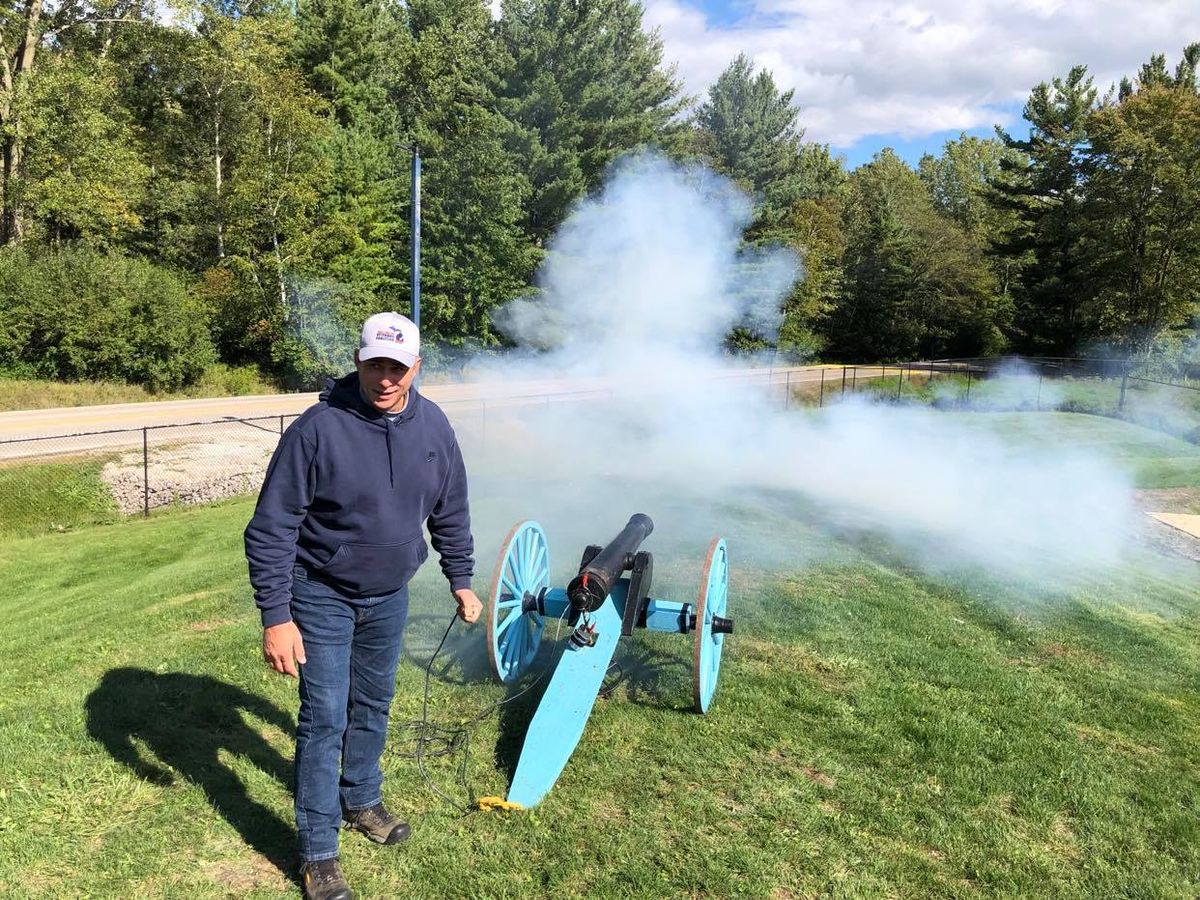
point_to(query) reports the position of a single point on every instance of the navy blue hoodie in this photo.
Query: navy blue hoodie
(345, 497)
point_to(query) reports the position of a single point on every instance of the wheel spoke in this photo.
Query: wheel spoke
(520, 637)
(530, 551)
(539, 558)
(522, 555)
(503, 626)
(508, 648)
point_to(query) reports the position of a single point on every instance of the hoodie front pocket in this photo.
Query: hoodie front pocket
(371, 570)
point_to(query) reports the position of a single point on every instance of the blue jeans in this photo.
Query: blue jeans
(351, 648)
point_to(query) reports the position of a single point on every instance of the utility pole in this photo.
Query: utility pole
(415, 226)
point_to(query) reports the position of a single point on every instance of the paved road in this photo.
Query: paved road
(42, 432)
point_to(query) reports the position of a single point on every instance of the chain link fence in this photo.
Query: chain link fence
(61, 481)
(102, 476)
(1132, 391)
(1137, 392)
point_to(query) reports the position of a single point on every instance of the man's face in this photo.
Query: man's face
(385, 382)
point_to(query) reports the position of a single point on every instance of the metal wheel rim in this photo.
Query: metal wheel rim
(522, 567)
(711, 601)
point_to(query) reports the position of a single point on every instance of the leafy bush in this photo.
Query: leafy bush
(80, 314)
(221, 380)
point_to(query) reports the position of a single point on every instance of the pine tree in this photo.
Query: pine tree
(586, 85)
(748, 130)
(344, 48)
(1040, 189)
(475, 254)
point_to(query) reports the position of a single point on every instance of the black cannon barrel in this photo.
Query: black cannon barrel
(597, 576)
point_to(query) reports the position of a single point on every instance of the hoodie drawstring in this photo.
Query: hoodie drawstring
(387, 429)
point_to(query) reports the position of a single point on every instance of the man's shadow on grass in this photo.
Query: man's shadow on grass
(174, 725)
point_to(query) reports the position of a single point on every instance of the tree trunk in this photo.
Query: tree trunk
(218, 176)
(279, 272)
(12, 225)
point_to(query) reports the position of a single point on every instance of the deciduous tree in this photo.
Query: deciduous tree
(1141, 239)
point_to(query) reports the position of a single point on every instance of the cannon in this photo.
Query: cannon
(608, 598)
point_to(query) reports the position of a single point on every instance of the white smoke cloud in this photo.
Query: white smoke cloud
(651, 272)
(639, 289)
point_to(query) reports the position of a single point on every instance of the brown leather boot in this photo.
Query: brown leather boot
(376, 823)
(323, 880)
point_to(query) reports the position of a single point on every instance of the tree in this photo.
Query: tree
(815, 230)
(83, 176)
(1041, 189)
(340, 46)
(79, 28)
(1141, 244)
(961, 182)
(916, 284)
(586, 84)
(255, 132)
(748, 130)
(343, 46)
(475, 254)
(80, 313)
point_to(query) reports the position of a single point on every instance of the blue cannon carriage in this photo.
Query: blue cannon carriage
(608, 598)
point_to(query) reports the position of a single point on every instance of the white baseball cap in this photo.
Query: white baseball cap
(392, 336)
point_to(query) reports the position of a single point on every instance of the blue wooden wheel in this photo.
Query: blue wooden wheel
(522, 569)
(712, 601)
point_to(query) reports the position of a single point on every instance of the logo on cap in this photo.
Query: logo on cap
(391, 333)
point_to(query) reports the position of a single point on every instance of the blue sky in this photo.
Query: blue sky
(912, 149)
(911, 75)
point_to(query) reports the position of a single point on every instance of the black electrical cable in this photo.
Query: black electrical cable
(447, 741)
(606, 692)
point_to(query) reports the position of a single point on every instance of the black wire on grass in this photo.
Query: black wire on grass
(433, 740)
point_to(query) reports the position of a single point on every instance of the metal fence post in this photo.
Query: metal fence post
(821, 398)
(843, 381)
(967, 399)
(854, 380)
(281, 424)
(1038, 402)
(787, 387)
(145, 472)
(900, 383)
(1124, 381)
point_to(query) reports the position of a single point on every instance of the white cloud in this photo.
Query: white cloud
(870, 67)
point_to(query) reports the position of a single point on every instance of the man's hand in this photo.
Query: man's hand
(469, 606)
(283, 647)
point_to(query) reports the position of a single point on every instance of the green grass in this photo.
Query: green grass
(1152, 458)
(877, 732)
(1171, 409)
(39, 497)
(218, 380)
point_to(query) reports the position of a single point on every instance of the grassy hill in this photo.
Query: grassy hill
(877, 731)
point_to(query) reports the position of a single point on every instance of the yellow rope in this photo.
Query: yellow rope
(497, 803)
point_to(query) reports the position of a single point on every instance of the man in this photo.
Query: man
(334, 540)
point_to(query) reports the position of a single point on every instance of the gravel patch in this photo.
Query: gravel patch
(190, 472)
